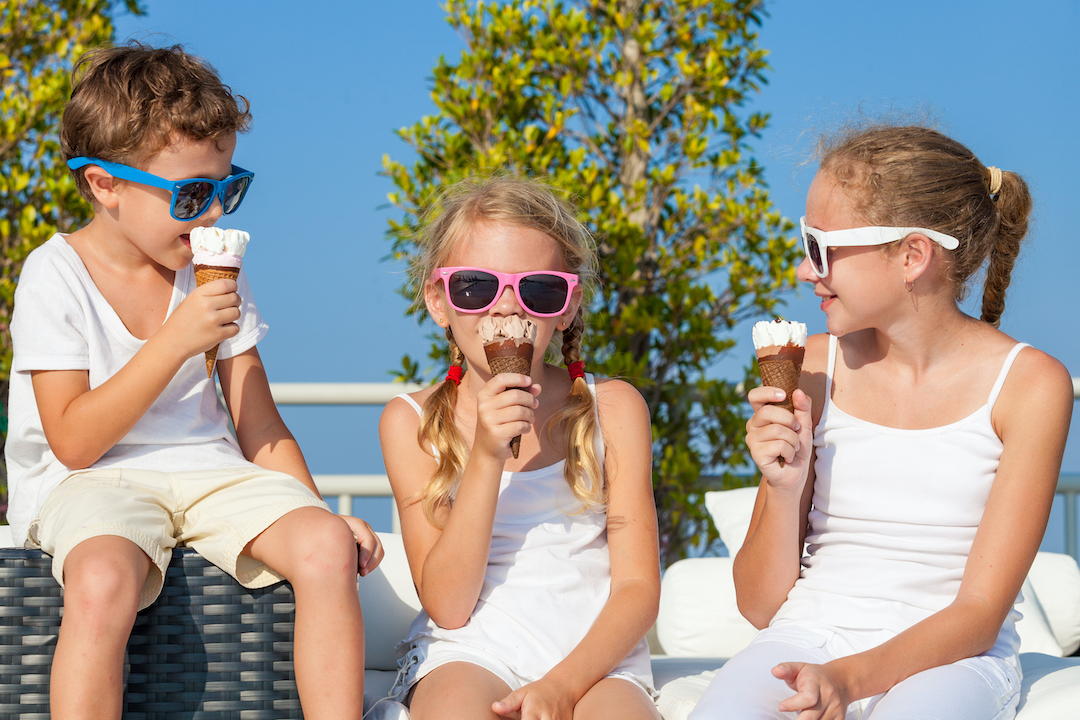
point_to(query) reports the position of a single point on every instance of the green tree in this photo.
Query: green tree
(638, 109)
(39, 42)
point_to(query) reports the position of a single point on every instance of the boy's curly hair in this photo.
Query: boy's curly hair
(131, 101)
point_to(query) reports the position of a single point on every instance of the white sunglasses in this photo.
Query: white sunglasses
(816, 242)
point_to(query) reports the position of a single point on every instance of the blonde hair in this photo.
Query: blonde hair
(529, 203)
(912, 176)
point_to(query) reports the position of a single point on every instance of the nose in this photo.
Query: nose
(805, 271)
(507, 303)
(215, 211)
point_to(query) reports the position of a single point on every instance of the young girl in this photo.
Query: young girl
(539, 574)
(920, 463)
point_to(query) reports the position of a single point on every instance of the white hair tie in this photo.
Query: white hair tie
(995, 180)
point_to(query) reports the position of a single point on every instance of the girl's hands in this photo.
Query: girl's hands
(541, 700)
(773, 432)
(205, 318)
(819, 695)
(504, 411)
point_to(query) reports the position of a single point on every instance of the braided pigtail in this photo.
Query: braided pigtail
(438, 430)
(577, 420)
(1014, 207)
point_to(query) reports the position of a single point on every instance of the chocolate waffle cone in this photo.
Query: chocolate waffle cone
(508, 356)
(203, 275)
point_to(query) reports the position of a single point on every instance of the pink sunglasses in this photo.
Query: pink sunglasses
(544, 293)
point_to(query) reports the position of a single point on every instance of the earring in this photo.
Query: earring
(910, 285)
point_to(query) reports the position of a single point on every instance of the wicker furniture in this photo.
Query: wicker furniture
(208, 649)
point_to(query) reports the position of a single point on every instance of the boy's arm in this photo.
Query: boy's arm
(81, 424)
(262, 434)
(267, 442)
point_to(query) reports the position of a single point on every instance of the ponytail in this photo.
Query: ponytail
(1013, 202)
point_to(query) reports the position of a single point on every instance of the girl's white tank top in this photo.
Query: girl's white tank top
(894, 516)
(548, 577)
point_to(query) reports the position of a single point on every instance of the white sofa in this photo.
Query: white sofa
(699, 625)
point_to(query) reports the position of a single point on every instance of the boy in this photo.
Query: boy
(119, 448)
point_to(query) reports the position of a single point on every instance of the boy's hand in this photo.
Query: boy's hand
(370, 553)
(205, 318)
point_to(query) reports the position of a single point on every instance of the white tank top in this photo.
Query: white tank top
(548, 577)
(893, 518)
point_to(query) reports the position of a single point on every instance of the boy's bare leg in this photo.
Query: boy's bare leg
(103, 578)
(316, 552)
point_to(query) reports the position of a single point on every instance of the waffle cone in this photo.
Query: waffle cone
(203, 275)
(781, 367)
(507, 356)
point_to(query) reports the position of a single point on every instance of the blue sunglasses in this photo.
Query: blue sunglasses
(190, 198)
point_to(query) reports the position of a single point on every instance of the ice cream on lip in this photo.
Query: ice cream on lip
(218, 247)
(510, 327)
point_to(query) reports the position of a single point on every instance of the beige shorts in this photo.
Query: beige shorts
(215, 512)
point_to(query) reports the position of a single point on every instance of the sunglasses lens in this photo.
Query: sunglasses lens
(234, 194)
(192, 199)
(542, 293)
(815, 253)
(472, 289)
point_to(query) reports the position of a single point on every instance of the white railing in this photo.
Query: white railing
(346, 487)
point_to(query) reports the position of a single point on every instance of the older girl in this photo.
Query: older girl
(920, 462)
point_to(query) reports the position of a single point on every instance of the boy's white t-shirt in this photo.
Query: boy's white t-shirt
(61, 321)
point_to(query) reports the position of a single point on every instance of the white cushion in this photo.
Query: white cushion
(1034, 629)
(698, 615)
(389, 602)
(1055, 578)
(5, 537)
(1051, 688)
(730, 511)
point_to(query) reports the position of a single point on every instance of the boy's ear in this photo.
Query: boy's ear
(436, 304)
(103, 186)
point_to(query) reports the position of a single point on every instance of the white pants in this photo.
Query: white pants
(979, 688)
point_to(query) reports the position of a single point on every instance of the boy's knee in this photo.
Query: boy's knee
(329, 546)
(103, 584)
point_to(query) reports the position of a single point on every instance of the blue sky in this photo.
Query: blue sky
(330, 82)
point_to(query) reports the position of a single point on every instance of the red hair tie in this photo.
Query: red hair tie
(576, 369)
(454, 374)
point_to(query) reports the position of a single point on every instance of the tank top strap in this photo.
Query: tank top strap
(416, 406)
(1004, 372)
(598, 438)
(830, 368)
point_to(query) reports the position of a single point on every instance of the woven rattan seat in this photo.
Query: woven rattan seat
(208, 649)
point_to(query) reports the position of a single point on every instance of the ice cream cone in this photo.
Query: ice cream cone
(510, 356)
(780, 348)
(203, 275)
(780, 367)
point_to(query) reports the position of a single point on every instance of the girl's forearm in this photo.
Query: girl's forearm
(456, 565)
(627, 615)
(768, 564)
(963, 629)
